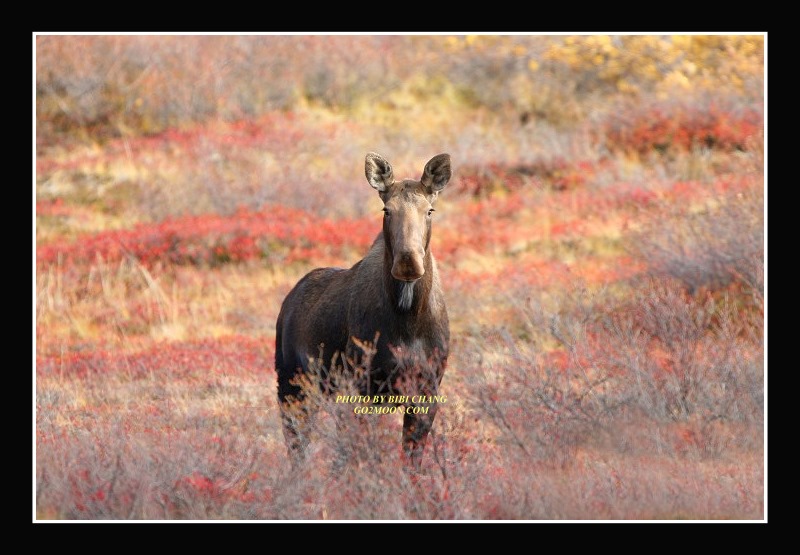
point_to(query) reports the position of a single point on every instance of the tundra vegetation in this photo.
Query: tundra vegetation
(600, 247)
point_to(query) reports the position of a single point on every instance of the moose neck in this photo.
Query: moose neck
(407, 299)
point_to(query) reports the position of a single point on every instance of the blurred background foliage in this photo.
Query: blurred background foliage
(239, 121)
(601, 246)
(99, 87)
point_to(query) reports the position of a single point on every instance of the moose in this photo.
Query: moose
(392, 296)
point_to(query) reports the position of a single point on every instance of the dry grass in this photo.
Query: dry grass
(604, 274)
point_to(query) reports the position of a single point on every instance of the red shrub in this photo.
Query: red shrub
(663, 127)
(211, 239)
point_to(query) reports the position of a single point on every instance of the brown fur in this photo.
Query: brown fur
(394, 292)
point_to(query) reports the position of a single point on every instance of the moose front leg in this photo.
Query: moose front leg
(297, 416)
(295, 431)
(416, 428)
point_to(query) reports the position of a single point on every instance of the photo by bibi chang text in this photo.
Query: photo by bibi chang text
(376, 403)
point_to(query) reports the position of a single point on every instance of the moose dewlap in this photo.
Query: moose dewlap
(392, 294)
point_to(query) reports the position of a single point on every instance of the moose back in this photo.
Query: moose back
(392, 294)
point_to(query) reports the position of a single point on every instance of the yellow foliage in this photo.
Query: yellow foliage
(638, 62)
(678, 79)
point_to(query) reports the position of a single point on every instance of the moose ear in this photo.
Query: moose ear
(436, 173)
(379, 172)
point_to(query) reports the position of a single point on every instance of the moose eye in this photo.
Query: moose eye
(386, 212)
(431, 211)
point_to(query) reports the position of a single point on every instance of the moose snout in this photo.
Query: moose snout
(408, 266)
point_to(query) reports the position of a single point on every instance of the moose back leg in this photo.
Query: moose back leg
(416, 428)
